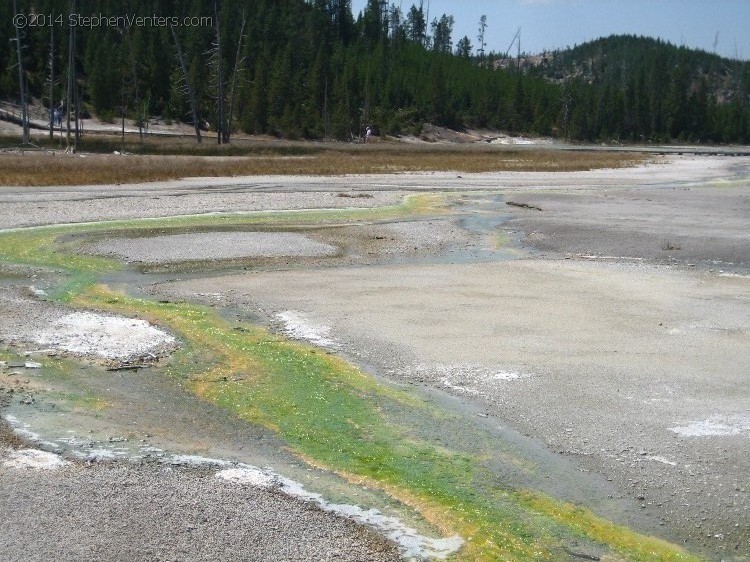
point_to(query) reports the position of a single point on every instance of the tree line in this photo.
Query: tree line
(310, 69)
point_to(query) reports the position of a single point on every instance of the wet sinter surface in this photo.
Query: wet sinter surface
(149, 414)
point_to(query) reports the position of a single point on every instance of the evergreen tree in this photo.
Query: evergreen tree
(442, 30)
(416, 25)
(464, 47)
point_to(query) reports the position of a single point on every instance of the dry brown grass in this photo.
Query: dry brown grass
(55, 168)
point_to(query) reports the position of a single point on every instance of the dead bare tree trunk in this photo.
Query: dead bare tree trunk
(21, 85)
(482, 42)
(71, 71)
(135, 86)
(220, 126)
(51, 82)
(237, 63)
(122, 113)
(77, 105)
(191, 94)
(135, 77)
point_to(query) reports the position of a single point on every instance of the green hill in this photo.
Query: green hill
(641, 88)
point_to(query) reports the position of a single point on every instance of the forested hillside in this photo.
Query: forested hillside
(638, 88)
(309, 69)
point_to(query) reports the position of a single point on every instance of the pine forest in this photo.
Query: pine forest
(313, 69)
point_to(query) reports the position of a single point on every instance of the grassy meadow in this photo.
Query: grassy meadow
(158, 159)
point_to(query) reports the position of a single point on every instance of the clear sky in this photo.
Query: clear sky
(553, 24)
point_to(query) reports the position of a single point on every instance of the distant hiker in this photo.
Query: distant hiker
(368, 134)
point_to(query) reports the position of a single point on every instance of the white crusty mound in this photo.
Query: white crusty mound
(107, 337)
(34, 459)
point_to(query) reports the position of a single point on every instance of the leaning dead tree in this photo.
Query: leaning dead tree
(237, 62)
(186, 85)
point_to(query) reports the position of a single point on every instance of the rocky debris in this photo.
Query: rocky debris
(523, 205)
(128, 367)
(14, 385)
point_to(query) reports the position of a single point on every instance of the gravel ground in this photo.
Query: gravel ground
(212, 246)
(56, 205)
(690, 225)
(628, 360)
(60, 205)
(123, 511)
